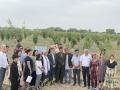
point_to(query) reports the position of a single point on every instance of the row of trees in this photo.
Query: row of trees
(102, 40)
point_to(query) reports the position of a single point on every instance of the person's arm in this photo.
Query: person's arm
(115, 70)
(97, 68)
(81, 63)
(74, 66)
(28, 64)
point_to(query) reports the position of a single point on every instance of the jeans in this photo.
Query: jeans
(51, 74)
(14, 84)
(38, 80)
(2, 75)
(76, 72)
(68, 76)
(85, 72)
(60, 74)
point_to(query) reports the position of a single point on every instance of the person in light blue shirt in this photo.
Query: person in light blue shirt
(22, 57)
(76, 66)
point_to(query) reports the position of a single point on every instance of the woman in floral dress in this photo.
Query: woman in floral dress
(110, 81)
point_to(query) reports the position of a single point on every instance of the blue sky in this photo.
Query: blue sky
(94, 14)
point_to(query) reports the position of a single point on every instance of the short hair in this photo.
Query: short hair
(34, 52)
(3, 45)
(38, 57)
(76, 50)
(7, 46)
(60, 47)
(94, 54)
(28, 50)
(112, 55)
(18, 40)
(15, 56)
(86, 49)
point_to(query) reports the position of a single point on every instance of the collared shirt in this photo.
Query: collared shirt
(38, 65)
(22, 58)
(66, 64)
(46, 64)
(76, 61)
(85, 60)
(3, 60)
(53, 58)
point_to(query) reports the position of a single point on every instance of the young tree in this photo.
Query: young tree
(35, 39)
(2, 36)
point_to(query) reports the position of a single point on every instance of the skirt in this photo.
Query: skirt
(110, 80)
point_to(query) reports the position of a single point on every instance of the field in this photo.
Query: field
(94, 41)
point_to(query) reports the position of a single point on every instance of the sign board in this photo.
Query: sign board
(41, 48)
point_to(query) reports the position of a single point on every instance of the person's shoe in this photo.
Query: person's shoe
(74, 84)
(20, 85)
(79, 84)
(84, 86)
(65, 82)
(69, 82)
(88, 87)
(51, 83)
(95, 88)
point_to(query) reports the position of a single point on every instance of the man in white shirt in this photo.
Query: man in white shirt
(3, 64)
(85, 63)
(76, 67)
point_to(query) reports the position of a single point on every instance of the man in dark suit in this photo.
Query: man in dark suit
(60, 65)
(51, 57)
(68, 66)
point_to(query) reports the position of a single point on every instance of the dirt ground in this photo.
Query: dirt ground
(54, 87)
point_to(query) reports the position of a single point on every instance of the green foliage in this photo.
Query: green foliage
(56, 39)
(110, 31)
(73, 42)
(35, 39)
(87, 42)
(2, 36)
(58, 35)
(7, 35)
(118, 42)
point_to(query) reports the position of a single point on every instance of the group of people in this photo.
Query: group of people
(58, 65)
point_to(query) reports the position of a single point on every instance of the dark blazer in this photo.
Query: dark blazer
(14, 75)
(69, 60)
(51, 60)
(60, 59)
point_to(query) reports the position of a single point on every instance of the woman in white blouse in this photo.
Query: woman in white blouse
(46, 65)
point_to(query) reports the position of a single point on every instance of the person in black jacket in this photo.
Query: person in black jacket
(14, 75)
(60, 65)
(68, 66)
(51, 57)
